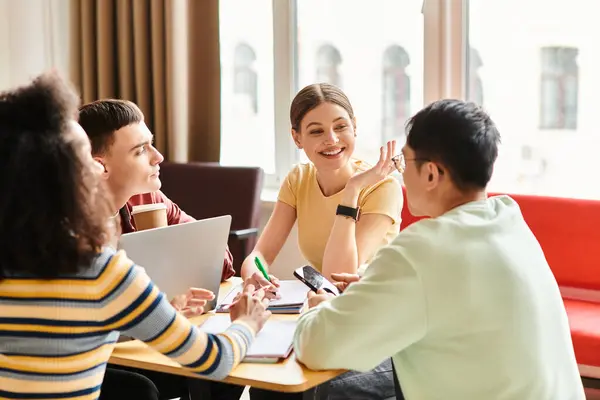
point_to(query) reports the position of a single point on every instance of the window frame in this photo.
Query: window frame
(285, 54)
(445, 73)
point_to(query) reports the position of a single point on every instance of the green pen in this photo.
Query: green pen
(261, 268)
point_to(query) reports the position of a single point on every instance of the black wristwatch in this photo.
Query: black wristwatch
(349, 212)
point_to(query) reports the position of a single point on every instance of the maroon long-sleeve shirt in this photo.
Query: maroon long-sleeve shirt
(175, 215)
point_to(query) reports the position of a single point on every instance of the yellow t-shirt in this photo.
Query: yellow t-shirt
(316, 212)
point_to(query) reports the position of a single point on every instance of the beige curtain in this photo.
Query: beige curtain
(161, 54)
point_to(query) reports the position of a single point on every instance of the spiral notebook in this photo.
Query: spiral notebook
(271, 344)
(293, 298)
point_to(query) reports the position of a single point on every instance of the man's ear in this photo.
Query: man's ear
(101, 161)
(296, 137)
(432, 173)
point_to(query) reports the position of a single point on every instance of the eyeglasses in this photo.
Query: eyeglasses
(400, 162)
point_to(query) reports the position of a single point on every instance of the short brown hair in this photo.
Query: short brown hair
(100, 119)
(314, 95)
(52, 221)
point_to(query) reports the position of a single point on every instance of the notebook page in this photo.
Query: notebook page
(292, 292)
(274, 340)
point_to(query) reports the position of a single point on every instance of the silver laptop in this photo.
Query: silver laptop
(178, 257)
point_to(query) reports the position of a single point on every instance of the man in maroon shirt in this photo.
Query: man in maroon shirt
(122, 143)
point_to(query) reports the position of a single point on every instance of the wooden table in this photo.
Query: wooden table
(285, 376)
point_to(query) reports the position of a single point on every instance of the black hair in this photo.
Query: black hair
(458, 135)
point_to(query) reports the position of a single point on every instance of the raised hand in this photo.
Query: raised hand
(383, 168)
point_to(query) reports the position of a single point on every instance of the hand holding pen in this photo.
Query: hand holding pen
(262, 280)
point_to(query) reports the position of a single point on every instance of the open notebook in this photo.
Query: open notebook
(271, 344)
(293, 298)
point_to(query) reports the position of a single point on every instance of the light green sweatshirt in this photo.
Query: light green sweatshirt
(466, 306)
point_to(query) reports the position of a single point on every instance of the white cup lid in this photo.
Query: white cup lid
(148, 207)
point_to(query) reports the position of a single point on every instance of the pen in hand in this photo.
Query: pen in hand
(261, 268)
(272, 285)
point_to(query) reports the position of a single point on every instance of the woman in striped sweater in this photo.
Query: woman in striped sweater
(63, 301)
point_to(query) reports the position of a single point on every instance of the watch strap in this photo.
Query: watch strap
(349, 212)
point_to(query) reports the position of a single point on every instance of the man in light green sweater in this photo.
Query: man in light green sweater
(464, 302)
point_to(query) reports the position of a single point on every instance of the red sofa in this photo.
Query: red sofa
(569, 233)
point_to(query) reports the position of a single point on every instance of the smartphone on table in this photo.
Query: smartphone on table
(314, 280)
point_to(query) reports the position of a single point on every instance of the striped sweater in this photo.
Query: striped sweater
(56, 336)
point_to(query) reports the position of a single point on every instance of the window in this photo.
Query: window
(375, 54)
(540, 88)
(475, 88)
(247, 84)
(244, 78)
(328, 64)
(536, 76)
(396, 92)
(560, 87)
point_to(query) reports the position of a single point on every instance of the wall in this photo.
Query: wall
(34, 37)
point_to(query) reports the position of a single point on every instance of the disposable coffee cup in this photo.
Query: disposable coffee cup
(149, 216)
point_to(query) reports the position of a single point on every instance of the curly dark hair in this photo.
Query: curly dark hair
(53, 219)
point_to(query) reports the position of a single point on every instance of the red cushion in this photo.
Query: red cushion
(407, 217)
(584, 319)
(568, 231)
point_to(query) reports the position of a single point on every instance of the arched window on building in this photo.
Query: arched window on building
(559, 88)
(245, 81)
(329, 60)
(475, 89)
(396, 92)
